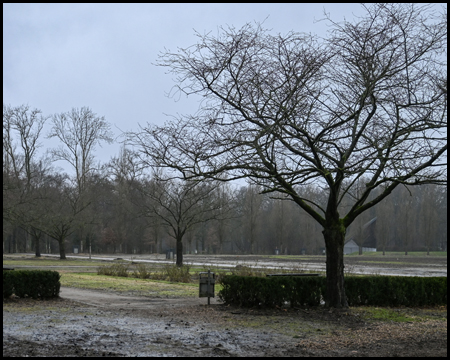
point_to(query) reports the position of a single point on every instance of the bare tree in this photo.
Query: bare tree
(180, 205)
(442, 235)
(358, 231)
(28, 124)
(226, 200)
(22, 127)
(280, 224)
(407, 217)
(124, 173)
(80, 131)
(385, 224)
(61, 201)
(252, 206)
(429, 215)
(286, 111)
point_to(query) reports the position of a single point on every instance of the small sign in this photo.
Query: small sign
(206, 284)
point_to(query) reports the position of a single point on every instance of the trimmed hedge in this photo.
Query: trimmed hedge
(249, 291)
(32, 283)
(396, 290)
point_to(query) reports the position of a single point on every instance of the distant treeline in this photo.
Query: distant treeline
(128, 206)
(119, 219)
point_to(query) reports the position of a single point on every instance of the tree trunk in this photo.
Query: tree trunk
(179, 253)
(37, 243)
(334, 242)
(62, 250)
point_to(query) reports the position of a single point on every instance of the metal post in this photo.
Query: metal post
(208, 284)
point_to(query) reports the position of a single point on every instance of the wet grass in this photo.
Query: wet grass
(294, 257)
(289, 327)
(399, 254)
(48, 262)
(385, 262)
(142, 287)
(364, 254)
(317, 324)
(398, 315)
(386, 314)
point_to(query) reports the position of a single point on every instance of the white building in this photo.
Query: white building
(351, 246)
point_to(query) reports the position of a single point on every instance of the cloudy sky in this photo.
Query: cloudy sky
(60, 56)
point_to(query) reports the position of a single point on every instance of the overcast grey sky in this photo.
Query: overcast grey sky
(60, 56)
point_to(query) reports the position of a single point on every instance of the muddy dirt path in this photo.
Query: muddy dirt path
(112, 300)
(95, 323)
(99, 323)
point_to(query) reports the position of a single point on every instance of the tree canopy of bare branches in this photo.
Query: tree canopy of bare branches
(22, 170)
(180, 205)
(80, 130)
(291, 110)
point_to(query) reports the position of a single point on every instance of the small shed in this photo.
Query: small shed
(351, 246)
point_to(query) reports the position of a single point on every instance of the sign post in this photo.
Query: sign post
(206, 288)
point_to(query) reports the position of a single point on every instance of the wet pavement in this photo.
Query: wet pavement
(112, 300)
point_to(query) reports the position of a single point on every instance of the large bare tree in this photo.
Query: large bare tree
(80, 131)
(22, 169)
(291, 110)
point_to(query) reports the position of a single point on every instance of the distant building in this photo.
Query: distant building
(369, 239)
(351, 246)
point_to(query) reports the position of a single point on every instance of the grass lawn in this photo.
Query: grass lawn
(50, 262)
(82, 273)
(142, 287)
(398, 253)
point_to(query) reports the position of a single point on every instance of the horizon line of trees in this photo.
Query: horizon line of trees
(122, 207)
(257, 224)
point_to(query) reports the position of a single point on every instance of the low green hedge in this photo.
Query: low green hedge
(31, 283)
(249, 291)
(396, 290)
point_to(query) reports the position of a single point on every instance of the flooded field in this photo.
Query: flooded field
(400, 265)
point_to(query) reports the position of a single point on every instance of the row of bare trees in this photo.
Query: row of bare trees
(122, 208)
(36, 197)
(259, 226)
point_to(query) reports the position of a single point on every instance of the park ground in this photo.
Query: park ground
(104, 316)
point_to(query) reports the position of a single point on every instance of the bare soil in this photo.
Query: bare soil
(98, 323)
